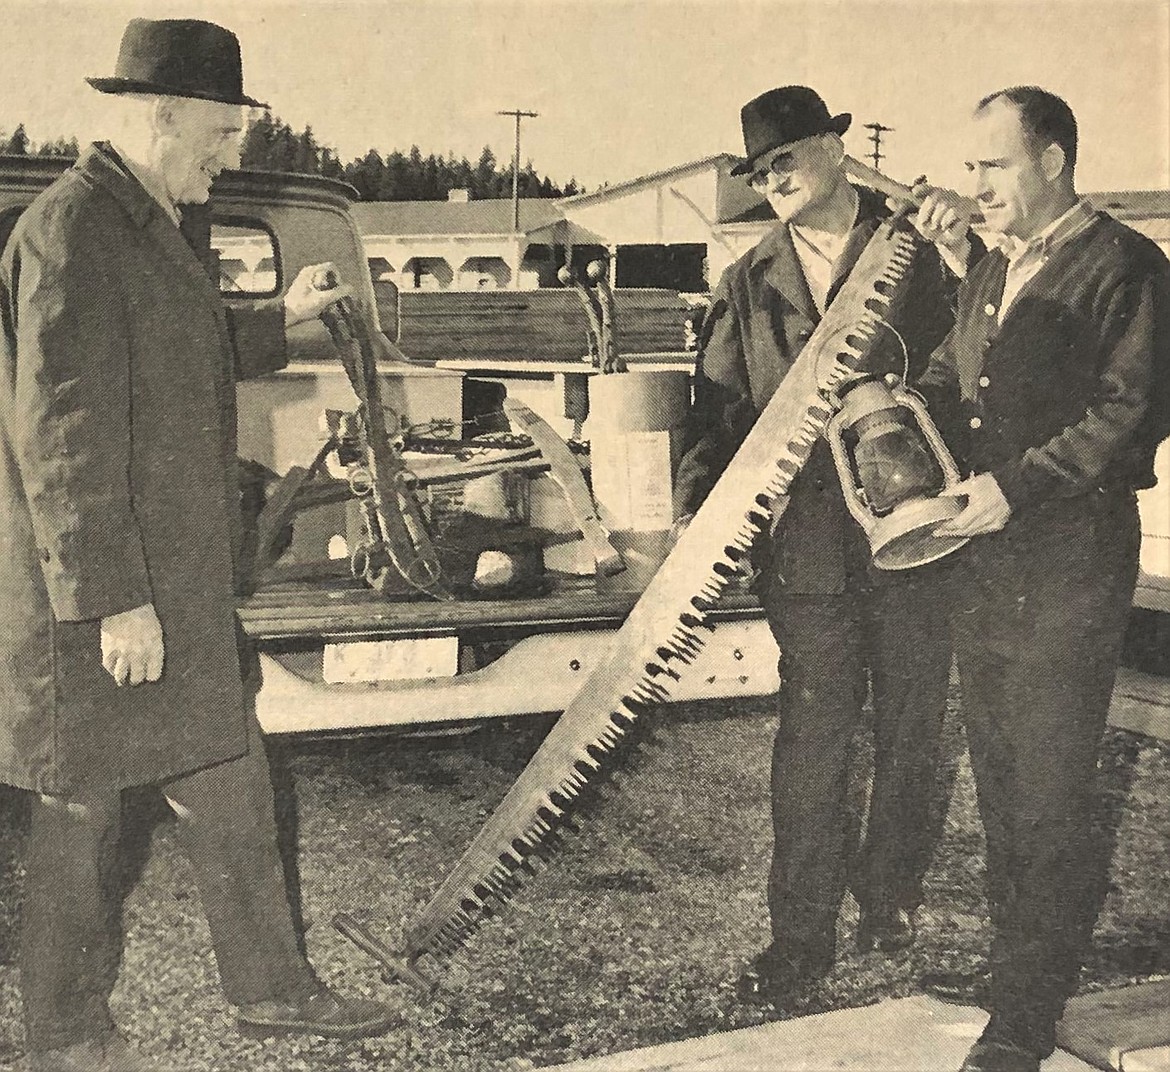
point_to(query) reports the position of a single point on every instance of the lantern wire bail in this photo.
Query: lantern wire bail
(831, 392)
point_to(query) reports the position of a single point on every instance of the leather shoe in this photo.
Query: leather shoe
(888, 931)
(958, 988)
(1000, 1057)
(319, 1013)
(763, 982)
(110, 1054)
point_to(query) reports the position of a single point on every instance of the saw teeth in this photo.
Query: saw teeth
(690, 642)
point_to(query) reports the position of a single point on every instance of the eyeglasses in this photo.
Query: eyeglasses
(785, 163)
(782, 164)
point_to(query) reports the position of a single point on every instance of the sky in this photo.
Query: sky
(627, 87)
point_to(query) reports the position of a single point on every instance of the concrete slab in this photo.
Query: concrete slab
(1155, 1059)
(1125, 1028)
(915, 1034)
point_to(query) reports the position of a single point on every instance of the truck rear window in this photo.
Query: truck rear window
(249, 265)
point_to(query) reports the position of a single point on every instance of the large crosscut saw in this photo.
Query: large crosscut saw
(668, 626)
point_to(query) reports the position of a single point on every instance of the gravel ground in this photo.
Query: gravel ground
(632, 936)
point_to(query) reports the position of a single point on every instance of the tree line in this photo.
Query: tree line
(272, 145)
(20, 144)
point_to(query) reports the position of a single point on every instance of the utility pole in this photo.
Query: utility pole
(876, 138)
(517, 114)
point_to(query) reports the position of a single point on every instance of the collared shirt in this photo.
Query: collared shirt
(1026, 257)
(149, 183)
(819, 253)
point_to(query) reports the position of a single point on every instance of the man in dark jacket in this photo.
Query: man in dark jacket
(119, 515)
(841, 627)
(1056, 375)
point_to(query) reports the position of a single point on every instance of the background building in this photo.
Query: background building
(675, 229)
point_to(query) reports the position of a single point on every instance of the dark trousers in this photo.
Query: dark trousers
(72, 926)
(893, 637)
(1040, 618)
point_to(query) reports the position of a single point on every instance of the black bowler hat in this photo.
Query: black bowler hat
(179, 58)
(783, 116)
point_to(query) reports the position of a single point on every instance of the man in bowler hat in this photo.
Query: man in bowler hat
(843, 629)
(119, 512)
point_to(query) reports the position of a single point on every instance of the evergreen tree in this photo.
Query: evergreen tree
(330, 166)
(367, 176)
(18, 144)
(258, 142)
(484, 177)
(66, 147)
(283, 156)
(271, 145)
(307, 155)
(462, 175)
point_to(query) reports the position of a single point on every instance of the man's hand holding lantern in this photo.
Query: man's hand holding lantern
(987, 508)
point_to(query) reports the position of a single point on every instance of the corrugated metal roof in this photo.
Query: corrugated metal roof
(619, 189)
(486, 217)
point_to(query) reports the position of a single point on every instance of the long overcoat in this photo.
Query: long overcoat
(118, 487)
(762, 315)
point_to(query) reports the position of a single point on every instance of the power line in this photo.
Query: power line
(517, 114)
(876, 137)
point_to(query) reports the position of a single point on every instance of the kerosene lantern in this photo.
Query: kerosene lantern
(895, 470)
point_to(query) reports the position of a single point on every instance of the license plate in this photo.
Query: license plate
(390, 660)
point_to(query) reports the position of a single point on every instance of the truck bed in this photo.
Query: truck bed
(348, 611)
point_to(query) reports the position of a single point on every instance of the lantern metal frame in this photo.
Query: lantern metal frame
(904, 537)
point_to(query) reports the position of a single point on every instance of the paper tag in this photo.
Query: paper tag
(632, 481)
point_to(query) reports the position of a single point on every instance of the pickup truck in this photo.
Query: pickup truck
(340, 657)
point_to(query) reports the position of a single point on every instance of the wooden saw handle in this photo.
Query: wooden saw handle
(875, 180)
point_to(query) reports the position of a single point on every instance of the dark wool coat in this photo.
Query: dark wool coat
(761, 316)
(1071, 394)
(118, 487)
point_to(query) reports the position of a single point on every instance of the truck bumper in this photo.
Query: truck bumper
(537, 674)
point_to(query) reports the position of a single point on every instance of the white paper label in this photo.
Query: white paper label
(631, 481)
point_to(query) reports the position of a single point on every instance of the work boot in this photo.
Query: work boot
(770, 980)
(110, 1054)
(889, 930)
(320, 1013)
(988, 1056)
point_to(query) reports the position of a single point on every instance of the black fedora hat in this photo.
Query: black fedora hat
(783, 116)
(179, 58)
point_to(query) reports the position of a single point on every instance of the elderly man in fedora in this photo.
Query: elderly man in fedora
(842, 627)
(119, 512)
